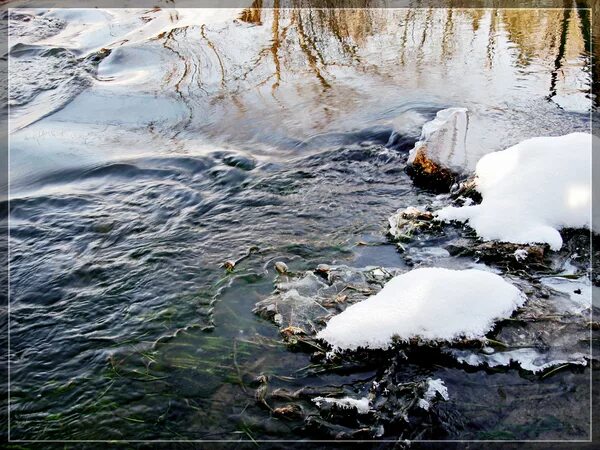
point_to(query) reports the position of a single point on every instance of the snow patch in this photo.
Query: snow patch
(531, 190)
(520, 254)
(433, 304)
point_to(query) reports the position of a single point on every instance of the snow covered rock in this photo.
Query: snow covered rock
(432, 304)
(531, 190)
(440, 153)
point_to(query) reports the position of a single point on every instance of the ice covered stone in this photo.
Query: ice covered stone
(440, 153)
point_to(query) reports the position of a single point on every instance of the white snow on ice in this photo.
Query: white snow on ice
(433, 304)
(578, 291)
(527, 358)
(531, 190)
(361, 404)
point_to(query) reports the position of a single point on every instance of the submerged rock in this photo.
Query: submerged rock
(440, 154)
(303, 301)
(504, 254)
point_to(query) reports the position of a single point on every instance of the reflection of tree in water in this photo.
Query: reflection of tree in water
(310, 31)
(326, 36)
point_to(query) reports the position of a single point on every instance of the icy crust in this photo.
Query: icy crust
(306, 299)
(361, 405)
(551, 331)
(531, 190)
(431, 304)
(528, 359)
(443, 140)
(434, 387)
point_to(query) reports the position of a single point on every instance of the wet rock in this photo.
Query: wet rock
(406, 223)
(228, 265)
(239, 161)
(430, 175)
(440, 155)
(466, 192)
(323, 270)
(500, 253)
(292, 331)
(291, 411)
(281, 267)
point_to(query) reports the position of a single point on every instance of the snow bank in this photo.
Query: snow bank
(531, 190)
(428, 303)
(361, 405)
(434, 387)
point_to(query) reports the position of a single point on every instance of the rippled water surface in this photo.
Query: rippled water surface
(147, 147)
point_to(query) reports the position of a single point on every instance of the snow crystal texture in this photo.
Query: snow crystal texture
(433, 304)
(531, 190)
(434, 387)
(361, 405)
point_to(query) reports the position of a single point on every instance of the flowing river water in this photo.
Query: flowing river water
(149, 146)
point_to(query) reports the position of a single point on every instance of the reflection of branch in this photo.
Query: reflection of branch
(561, 52)
(584, 16)
(312, 61)
(421, 48)
(335, 29)
(408, 19)
(186, 68)
(448, 28)
(491, 39)
(252, 14)
(275, 44)
(212, 46)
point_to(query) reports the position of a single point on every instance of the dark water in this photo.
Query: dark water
(148, 147)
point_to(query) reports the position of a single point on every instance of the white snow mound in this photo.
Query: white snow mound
(433, 304)
(531, 190)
